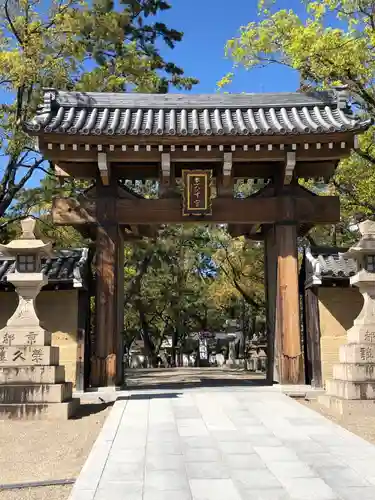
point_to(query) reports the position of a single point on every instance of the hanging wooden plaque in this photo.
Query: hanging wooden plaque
(197, 192)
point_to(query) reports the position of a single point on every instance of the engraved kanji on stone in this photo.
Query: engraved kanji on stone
(18, 355)
(3, 354)
(31, 338)
(8, 338)
(37, 355)
(369, 336)
(366, 353)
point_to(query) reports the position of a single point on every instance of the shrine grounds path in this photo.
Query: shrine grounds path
(223, 443)
(188, 377)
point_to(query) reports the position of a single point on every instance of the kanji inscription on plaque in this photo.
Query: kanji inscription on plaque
(197, 192)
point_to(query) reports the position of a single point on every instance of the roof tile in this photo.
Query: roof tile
(98, 113)
(66, 266)
(332, 263)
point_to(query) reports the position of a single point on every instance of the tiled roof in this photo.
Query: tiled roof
(326, 263)
(96, 113)
(68, 266)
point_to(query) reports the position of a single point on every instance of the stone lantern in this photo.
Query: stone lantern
(32, 384)
(364, 253)
(262, 361)
(353, 384)
(28, 280)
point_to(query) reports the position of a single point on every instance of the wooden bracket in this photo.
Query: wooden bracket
(135, 230)
(253, 228)
(165, 178)
(249, 231)
(103, 166)
(60, 172)
(224, 180)
(166, 168)
(289, 167)
(227, 170)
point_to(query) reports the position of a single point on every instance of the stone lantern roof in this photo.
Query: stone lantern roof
(366, 244)
(27, 242)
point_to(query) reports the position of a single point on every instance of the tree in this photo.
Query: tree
(38, 202)
(333, 44)
(239, 287)
(168, 288)
(240, 264)
(71, 44)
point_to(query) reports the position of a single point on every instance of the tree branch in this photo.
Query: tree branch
(8, 187)
(348, 192)
(366, 155)
(239, 288)
(136, 281)
(12, 27)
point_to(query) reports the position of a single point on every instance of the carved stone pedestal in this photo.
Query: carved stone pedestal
(353, 385)
(32, 384)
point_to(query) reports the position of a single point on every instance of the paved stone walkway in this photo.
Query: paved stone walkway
(224, 444)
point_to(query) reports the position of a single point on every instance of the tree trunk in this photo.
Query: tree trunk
(148, 344)
(242, 340)
(174, 347)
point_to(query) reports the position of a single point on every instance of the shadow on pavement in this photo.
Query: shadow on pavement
(189, 379)
(150, 395)
(86, 409)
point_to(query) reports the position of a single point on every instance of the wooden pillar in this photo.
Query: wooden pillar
(106, 365)
(82, 332)
(312, 338)
(288, 333)
(270, 275)
(120, 309)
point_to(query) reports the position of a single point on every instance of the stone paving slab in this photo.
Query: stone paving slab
(220, 444)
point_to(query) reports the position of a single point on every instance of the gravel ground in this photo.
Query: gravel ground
(43, 450)
(360, 424)
(44, 493)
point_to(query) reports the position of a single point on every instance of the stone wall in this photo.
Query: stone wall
(338, 307)
(58, 310)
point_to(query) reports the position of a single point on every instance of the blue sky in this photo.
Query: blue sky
(207, 25)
